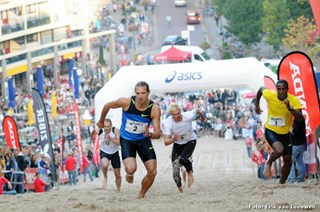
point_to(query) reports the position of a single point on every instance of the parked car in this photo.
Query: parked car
(174, 40)
(180, 3)
(193, 17)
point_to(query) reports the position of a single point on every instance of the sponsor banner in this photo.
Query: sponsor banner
(11, 132)
(297, 68)
(96, 149)
(315, 6)
(78, 134)
(269, 83)
(42, 124)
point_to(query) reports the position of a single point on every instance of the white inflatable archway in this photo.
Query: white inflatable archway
(234, 73)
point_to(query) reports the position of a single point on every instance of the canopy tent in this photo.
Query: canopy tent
(173, 54)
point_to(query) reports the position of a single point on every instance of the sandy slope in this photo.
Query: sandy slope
(225, 180)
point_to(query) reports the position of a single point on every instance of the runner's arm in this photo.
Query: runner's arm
(119, 103)
(257, 105)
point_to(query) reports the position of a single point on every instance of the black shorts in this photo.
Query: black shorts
(272, 137)
(143, 147)
(114, 158)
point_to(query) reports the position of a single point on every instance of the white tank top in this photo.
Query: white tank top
(108, 146)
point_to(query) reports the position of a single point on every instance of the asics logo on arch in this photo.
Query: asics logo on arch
(183, 76)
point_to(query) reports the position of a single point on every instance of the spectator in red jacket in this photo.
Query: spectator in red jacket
(39, 184)
(9, 186)
(71, 165)
(86, 168)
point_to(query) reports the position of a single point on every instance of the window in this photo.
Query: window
(31, 9)
(46, 37)
(32, 38)
(60, 33)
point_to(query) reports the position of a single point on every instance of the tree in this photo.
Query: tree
(244, 19)
(299, 8)
(299, 35)
(274, 21)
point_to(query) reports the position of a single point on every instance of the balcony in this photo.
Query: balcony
(11, 28)
(37, 21)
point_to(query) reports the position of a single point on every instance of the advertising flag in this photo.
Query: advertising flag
(11, 132)
(315, 6)
(297, 68)
(78, 133)
(42, 124)
(96, 149)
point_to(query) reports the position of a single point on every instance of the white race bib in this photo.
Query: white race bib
(277, 121)
(135, 127)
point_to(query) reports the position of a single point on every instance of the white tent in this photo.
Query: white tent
(234, 73)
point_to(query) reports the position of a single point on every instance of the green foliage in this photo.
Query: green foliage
(274, 21)
(226, 53)
(244, 20)
(299, 8)
(101, 60)
(204, 45)
(298, 36)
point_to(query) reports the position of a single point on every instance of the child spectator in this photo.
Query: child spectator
(39, 184)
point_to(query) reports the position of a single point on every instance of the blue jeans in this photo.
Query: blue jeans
(297, 168)
(72, 177)
(85, 172)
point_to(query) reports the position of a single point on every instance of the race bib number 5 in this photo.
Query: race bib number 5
(135, 127)
(277, 121)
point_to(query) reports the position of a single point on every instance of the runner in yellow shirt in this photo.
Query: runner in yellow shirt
(282, 107)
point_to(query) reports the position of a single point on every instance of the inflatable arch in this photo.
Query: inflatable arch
(234, 73)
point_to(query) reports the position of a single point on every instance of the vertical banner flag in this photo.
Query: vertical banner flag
(54, 105)
(76, 83)
(12, 95)
(297, 68)
(315, 6)
(42, 123)
(96, 149)
(11, 132)
(269, 83)
(78, 134)
(40, 80)
(70, 72)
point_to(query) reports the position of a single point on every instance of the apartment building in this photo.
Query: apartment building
(42, 32)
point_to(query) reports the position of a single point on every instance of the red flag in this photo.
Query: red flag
(315, 5)
(269, 83)
(78, 134)
(297, 68)
(96, 149)
(11, 132)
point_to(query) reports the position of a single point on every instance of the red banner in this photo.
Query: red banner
(315, 5)
(11, 132)
(269, 83)
(78, 134)
(96, 149)
(297, 69)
